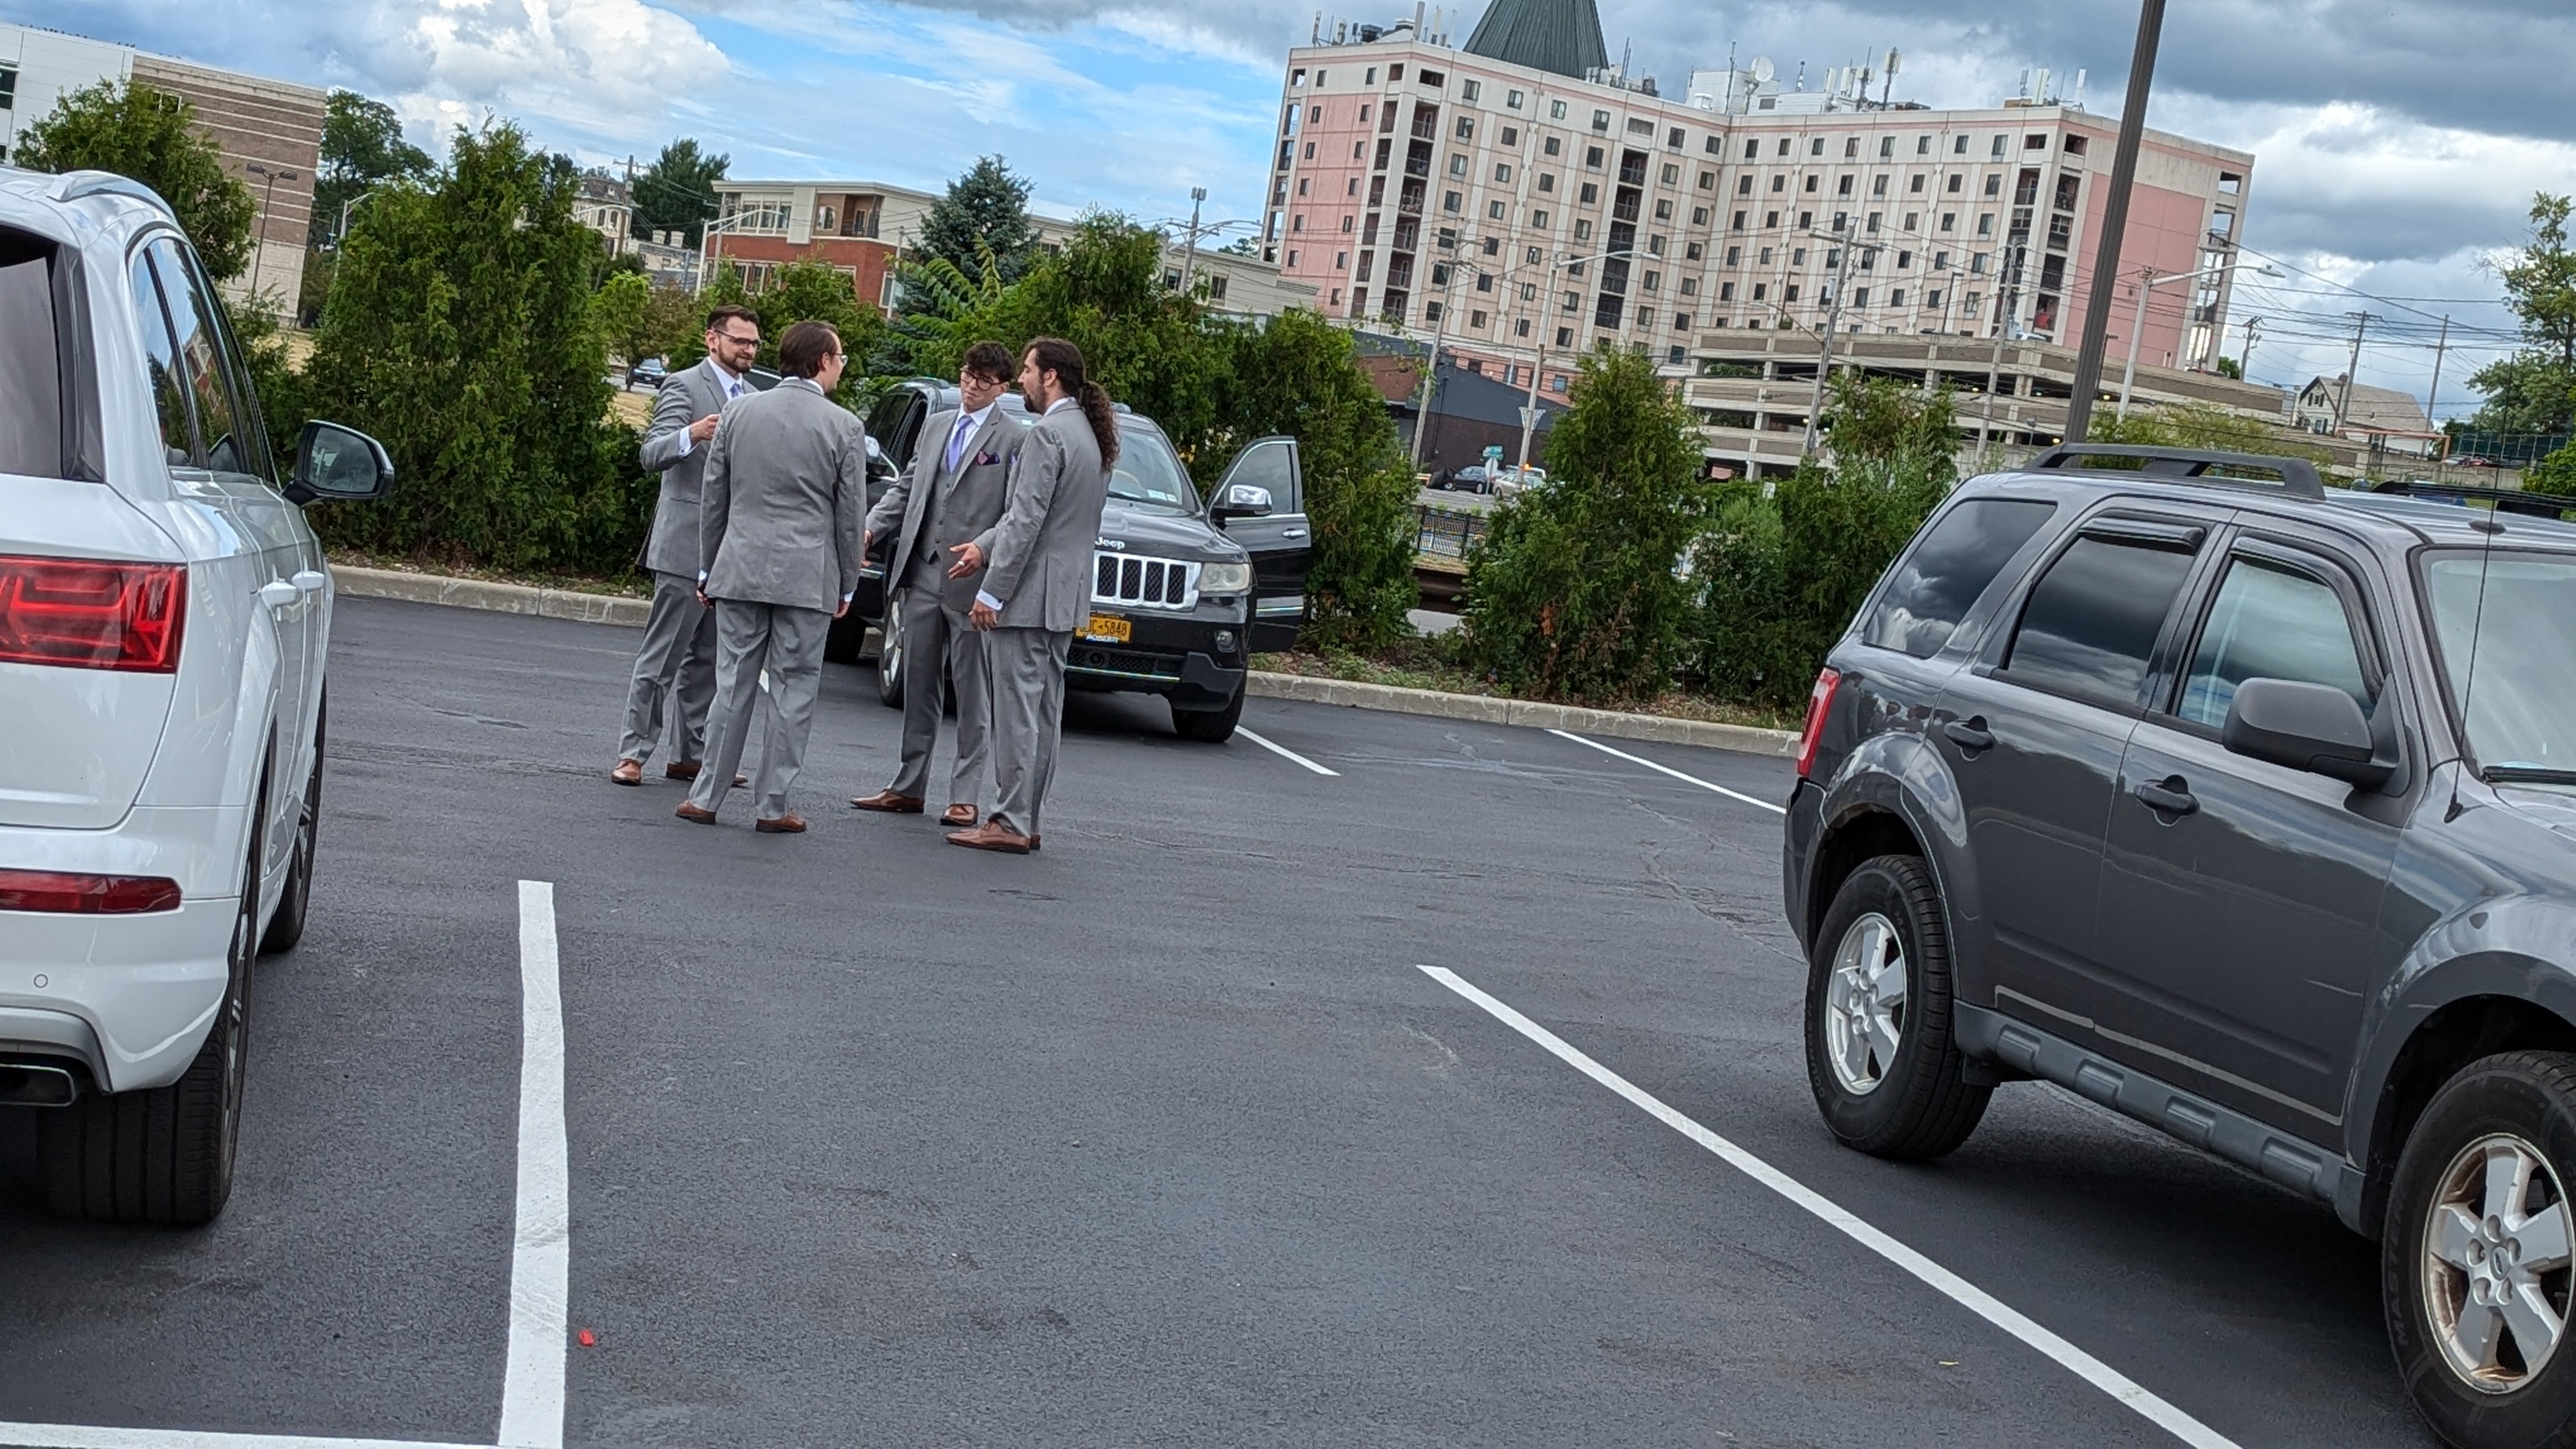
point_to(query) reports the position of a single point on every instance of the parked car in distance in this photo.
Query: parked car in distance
(651, 372)
(1184, 591)
(1470, 479)
(165, 622)
(2247, 809)
(1509, 481)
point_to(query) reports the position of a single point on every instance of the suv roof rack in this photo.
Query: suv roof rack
(2506, 500)
(2298, 476)
(77, 184)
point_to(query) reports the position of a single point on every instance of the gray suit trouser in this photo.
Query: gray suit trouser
(788, 643)
(1028, 719)
(675, 672)
(939, 644)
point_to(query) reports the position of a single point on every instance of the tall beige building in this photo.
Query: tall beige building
(1525, 201)
(269, 132)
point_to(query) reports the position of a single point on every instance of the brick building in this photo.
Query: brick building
(1522, 198)
(269, 133)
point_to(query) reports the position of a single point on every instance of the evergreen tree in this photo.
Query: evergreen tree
(460, 334)
(151, 135)
(986, 212)
(678, 191)
(362, 148)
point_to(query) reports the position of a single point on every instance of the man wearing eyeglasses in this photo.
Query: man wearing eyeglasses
(778, 543)
(675, 667)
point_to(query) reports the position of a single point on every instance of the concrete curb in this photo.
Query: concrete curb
(1487, 709)
(498, 598)
(1480, 708)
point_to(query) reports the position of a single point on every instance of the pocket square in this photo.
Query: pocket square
(987, 460)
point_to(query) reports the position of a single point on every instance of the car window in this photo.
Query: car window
(31, 369)
(1148, 473)
(2508, 657)
(161, 362)
(201, 363)
(1273, 465)
(2093, 619)
(2270, 621)
(1938, 580)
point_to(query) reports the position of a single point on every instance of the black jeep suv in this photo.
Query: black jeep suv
(2245, 807)
(1183, 592)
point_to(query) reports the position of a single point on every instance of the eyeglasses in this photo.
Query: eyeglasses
(738, 340)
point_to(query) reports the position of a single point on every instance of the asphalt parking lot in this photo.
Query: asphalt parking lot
(1162, 1136)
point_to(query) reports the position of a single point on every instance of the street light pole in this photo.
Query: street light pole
(1825, 346)
(1439, 330)
(1529, 410)
(1190, 246)
(270, 194)
(2148, 281)
(2115, 220)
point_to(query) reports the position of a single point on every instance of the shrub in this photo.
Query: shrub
(1573, 591)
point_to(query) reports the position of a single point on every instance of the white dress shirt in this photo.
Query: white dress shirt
(733, 386)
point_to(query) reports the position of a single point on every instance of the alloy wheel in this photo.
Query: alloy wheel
(1865, 1004)
(2496, 1263)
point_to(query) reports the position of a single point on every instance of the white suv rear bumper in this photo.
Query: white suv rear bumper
(131, 996)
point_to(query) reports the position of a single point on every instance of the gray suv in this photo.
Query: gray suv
(2245, 807)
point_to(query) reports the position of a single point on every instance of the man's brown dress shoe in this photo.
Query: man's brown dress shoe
(958, 815)
(992, 836)
(694, 815)
(889, 802)
(679, 770)
(628, 772)
(790, 823)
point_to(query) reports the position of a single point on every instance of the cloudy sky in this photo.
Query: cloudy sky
(2398, 142)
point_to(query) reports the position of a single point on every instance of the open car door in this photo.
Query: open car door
(1261, 504)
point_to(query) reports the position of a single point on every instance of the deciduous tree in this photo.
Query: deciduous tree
(362, 148)
(2534, 390)
(151, 135)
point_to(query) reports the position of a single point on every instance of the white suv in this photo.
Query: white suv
(164, 617)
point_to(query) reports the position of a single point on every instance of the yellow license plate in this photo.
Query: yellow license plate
(1108, 629)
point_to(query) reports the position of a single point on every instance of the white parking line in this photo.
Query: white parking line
(1957, 1289)
(83, 1436)
(1285, 753)
(1676, 774)
(532, 1386)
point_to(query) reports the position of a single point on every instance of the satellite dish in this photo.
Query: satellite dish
(1762, 68)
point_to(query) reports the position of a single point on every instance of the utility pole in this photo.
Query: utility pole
(2115, 221)
(2245, 364)
(1445, 276)
(2006, 280)
(1190, 245)
(2433, 394)
(2343, 399)
(1825, 347)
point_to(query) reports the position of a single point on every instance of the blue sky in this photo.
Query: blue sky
(2398, 142)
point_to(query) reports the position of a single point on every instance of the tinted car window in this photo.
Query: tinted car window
(161, 362)
(1147, 472)
(31, 377)
(1941, 577)
(1271, 466)
(2508, 615)
(226, 424)
(2270, 622)
(2092, 620)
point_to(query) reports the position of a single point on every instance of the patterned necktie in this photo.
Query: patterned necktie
(957, 440)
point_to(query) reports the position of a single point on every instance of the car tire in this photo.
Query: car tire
(890, 656)
(295, 898)
(165, 1154)
(2449, 1250)
(1209, 726)
(1880, 1056)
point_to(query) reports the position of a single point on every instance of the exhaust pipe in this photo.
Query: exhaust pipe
(36, 1084)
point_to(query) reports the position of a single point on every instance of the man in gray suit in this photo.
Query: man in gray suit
(947, 505)
(1038, 589)
(675, 668)
(786, 482)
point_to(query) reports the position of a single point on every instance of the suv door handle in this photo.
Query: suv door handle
(1970, 735)
(308, 580)
(278, 593)
(2168, 796)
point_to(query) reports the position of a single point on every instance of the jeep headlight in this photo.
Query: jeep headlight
(1225, 578)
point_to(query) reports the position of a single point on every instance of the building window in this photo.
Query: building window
(1538, 219)
(1493, 246)
(1915, 186)
(1592, 157)
(1484, 281)
(1512, 99)
(1554, 146)
(1511, 135)
(1589, 195)
(1655, 245)
(1931, 299)
(1708, 181)
(1904, 260)
(1949, 221)
(1457, 165)
(1957, 180)
(1726, 291)
(1502, 171)
(1911, 218)
(1653, 281)
(1310, 150)
(1758, 289)
(1995, 184)
(1346, 223)
(1813, 181)
(1351, 187)
(1789, 293)
(1547, 181)
(1452, 202)
(1521, 328)
(1739, 221)
(1716, 146)
(1297, 222)
(1797, 256)
(1940, 261)
(1690, 286)
(1432, 78)
(1431, 311)
(1301, 185)
(1640, 126)
(1364, 113)
(1896, 298)
(1369, 80)
(1860, 296)
(1778, 184)
(1582, 230)
(1997, 150)
(1663, 210)
(2074, 145)
(1395, 72)
(1744, 184)
(1752, 150)
(1872, 223)
(1985, 223)
(1977, 264)
(1878, 186)
(1367, 261)
(1569, 302)
(1601, 121)
(1806, 220)
(1699, 217)
(1297, 77)
(1672, 175)
(1556, 110)
(1563, 339)
(1843, 187)
(1467, 126)
(1468, 90)
(1475, 319)
(1494, 210)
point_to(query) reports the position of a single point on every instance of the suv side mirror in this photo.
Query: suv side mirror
(880, 467)
(2312, 727)
(1242, 500)
(338, 464)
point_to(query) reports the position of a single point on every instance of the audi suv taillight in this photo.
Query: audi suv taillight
(1820, 702)
(86, 895)
(92, 614)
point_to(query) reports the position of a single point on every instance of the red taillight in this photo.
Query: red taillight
(1820, 702)
(86, 895)
(87, 614)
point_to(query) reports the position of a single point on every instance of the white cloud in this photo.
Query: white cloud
(595, 65)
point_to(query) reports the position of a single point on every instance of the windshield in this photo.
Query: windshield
(1150, 474)
(2520, 708)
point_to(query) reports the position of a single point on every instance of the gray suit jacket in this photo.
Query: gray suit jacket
(786, 482)
(970, 500)
(1043, 547)
(683, 399)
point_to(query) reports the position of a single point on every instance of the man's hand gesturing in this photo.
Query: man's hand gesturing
(969, 559)
(982, 616)
(703, 429)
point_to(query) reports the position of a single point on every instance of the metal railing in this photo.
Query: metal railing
(1445, 533)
